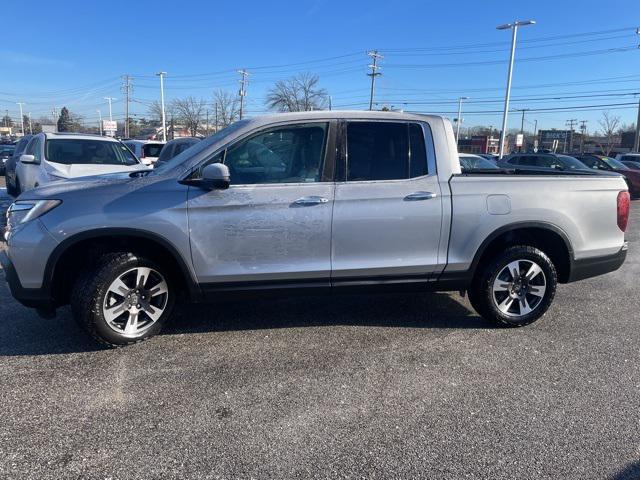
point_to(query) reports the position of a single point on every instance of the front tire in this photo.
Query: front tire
(123, 299)
(11, 189)
(516, 287)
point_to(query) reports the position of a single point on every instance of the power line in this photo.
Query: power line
(526, 59)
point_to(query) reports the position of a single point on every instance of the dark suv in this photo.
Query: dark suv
(543, 160)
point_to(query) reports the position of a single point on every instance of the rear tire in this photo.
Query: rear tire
(515, 288)
(122, 299)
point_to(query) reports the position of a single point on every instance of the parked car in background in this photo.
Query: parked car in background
(60, 156)
(270, 204)
(10, 170)
(147, 151)
(544, 160)
(626, 157)
(175, 147)
(489, 156)
(469, 162)
(601, 162)
(6, 152)
(633, 165)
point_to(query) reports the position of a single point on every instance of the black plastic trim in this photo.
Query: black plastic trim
(519, 226)
(194, 289)
(38, 298)
(592, 267)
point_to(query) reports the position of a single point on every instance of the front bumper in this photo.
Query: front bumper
(592, 267)
(38, 298)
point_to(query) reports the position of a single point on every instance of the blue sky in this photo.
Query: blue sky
(73, 54)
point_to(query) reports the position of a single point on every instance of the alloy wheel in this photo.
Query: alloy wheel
(135, 301)
(519, 288)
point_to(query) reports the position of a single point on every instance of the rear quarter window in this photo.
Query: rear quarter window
(152, 149)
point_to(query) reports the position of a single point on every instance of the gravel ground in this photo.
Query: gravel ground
(397, 386)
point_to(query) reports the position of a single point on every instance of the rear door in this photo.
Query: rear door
(387, 216)
(273, 224)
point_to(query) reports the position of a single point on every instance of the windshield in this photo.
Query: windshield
(200, 147)
(473, 162)
(70, 151)
(571, 163)
(613, 163)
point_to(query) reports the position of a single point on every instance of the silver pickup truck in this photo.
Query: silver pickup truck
(316, 201)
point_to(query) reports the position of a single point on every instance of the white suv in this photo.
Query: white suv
(147, 151)
(59, 156)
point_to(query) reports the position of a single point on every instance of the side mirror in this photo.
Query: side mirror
(216, 176)
(27, 159)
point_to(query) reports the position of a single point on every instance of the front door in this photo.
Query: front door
(387, 216)
(273, 224)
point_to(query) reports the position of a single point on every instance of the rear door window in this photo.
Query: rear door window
(385, 151)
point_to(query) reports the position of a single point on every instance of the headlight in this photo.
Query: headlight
(24, 211)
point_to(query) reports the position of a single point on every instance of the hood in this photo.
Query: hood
(84, 184)
(76, 170)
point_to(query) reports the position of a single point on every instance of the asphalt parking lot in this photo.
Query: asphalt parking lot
(398, 386)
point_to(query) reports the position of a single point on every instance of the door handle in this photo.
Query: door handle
(309, 201)
(417, 196)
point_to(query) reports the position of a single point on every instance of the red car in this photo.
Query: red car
(601, 162)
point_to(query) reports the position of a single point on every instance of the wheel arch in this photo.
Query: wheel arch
(64, 261)
(549, 238)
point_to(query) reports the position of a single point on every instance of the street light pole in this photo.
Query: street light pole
(21, 117)
(164, 118)
(459, 119)
(514, 33)
(99, 121)
(110, 99)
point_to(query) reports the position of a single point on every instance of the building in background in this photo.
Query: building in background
(479, 144)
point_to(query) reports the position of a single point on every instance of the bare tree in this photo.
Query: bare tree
(189, 111)
(226, 108)
(155, 111)
(609, 126)
(297, 94)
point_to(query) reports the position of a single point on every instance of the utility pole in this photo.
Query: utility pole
(206, 130)
(6, 118)
(243, 90)
(164, 120)
(522, 121)
(30, 127)
(329, 102)
(514, 33)
(216, 118)
(127, 89)
(374, 73)
(99, 121)
(636, 144)
(459, 119)
(21, 117)
(522, 126)
(572, 122)
(583, 134)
